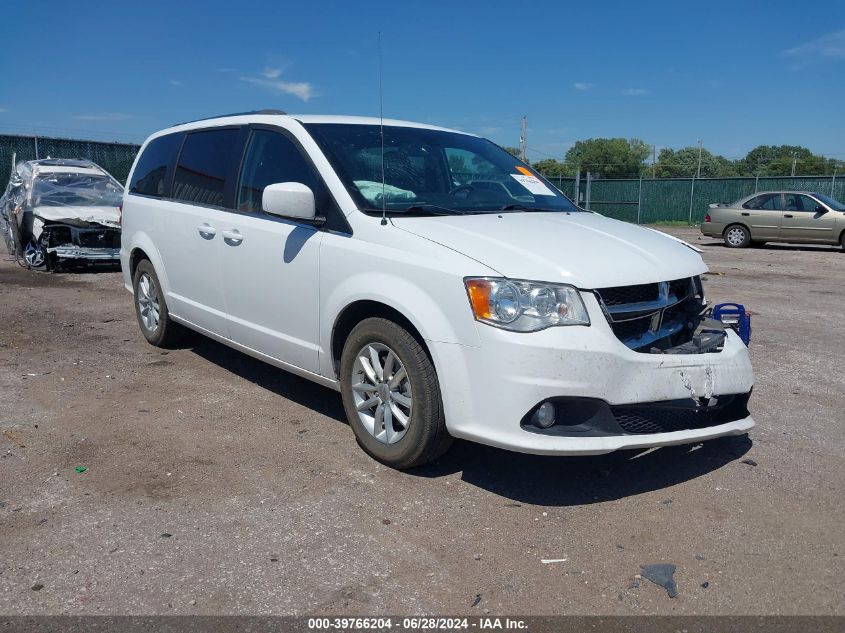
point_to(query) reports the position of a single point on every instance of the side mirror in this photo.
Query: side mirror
(821, 209)
(289, 200)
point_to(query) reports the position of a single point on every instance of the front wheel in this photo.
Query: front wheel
(391, 395)
(737, 236)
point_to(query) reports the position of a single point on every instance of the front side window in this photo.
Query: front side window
(272, 158)
(797, 202)
(435, 171)
(204, 166)
(148, 179)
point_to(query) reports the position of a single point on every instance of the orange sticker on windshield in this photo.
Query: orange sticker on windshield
(523, 170)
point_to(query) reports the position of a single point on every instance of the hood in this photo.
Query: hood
(583, 249)
(107, 216)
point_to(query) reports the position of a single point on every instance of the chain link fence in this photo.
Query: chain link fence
(115, 158)
(681, 200)
(645, 201)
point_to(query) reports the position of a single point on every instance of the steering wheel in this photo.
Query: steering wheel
(462, 188)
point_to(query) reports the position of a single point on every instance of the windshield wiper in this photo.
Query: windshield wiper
(432, 209)
(522, 207)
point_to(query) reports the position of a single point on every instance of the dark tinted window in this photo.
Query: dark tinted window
(767, 202)
(149, 175)
(271, 158)
(204, 165)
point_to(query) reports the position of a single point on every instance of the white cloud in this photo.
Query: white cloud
(828, 46)
(270, 78)
(635, 92)
(583, 86)
(104, 116)
(175, 82)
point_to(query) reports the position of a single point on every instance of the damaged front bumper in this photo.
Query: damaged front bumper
(90, 243)
(607, 396)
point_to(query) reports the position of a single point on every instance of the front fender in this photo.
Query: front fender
(439, 311)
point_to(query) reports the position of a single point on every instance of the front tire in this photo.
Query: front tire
(391, 395)
(151, 309)
(737, 236)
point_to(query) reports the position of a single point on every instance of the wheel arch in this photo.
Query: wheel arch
(737, 223)
(357, 311)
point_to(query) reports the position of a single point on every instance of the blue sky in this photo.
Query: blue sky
(734, 74)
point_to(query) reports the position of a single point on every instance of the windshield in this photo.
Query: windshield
(832, 203)
(75, 190)
(432, 171)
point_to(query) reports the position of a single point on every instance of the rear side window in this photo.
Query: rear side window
(272, 158)
(768, 202)
(205, 166)
(149, 177)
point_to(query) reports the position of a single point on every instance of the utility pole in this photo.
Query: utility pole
(794, 160)
(698, 171)
(653, 159)
(522, 137)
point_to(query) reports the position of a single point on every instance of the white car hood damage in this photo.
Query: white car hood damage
(107, 216)
(583, 249)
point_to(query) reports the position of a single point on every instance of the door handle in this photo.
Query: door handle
(233, 237)
(743, 213)
(787, 215)
(207, 231)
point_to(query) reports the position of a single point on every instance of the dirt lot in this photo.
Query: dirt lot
(217, 484)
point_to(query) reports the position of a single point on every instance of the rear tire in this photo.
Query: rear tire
(387, 378)
(151, 309)
(737, 236)
(842, 240)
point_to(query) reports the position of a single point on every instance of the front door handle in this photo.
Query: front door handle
(207, 231)
(743, 213)
(233, 237)
(787, 215)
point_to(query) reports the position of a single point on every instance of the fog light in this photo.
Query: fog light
(544, 416)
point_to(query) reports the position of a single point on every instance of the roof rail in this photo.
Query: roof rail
(220, 116)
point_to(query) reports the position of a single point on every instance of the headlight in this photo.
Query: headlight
(524, 306)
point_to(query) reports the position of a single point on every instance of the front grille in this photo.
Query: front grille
(622, 295)
(646, 316)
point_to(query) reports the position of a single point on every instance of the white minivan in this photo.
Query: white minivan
(440, 284)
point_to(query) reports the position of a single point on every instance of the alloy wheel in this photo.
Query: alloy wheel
(148, 304)
(382, 392)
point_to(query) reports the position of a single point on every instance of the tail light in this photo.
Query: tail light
(707, 217)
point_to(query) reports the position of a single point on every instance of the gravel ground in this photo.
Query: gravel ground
(216, 484)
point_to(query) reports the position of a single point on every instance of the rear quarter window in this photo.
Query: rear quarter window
(150, 175)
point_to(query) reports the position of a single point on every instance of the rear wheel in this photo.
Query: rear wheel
(151, 309)
(391, 395)
(842, 240)
(737, 236)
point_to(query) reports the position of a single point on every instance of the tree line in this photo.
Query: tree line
(632, 158)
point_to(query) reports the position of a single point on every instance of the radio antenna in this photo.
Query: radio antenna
(381, 130)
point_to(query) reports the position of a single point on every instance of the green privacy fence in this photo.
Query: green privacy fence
(115, 158)
(682, 199)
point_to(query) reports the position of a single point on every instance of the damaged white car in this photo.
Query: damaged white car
(56, 211)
